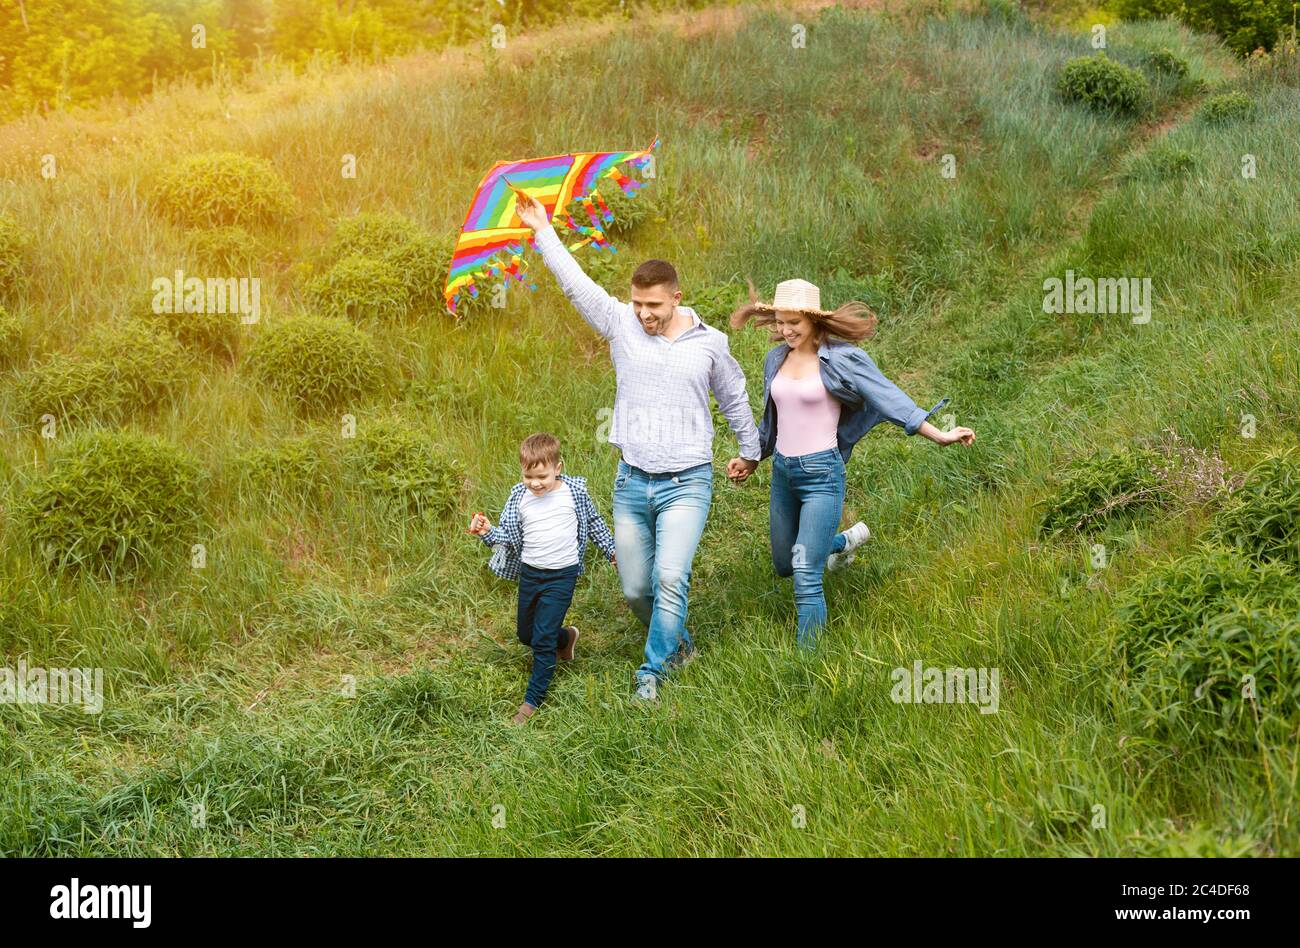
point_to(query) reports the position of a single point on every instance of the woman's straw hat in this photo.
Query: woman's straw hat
(796, 295)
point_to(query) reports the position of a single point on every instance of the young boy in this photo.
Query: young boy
(541, 542)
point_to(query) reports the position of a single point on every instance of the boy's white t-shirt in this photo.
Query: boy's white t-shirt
(550, 526)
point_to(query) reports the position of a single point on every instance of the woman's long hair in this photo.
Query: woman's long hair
(853, 321)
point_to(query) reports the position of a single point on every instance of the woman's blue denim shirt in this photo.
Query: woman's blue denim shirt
(851, 377)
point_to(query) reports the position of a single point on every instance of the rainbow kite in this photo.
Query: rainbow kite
(492, 238)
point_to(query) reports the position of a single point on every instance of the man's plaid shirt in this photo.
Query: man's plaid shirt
(507, 537)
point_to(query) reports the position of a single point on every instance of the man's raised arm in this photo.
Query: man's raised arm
(597, 307)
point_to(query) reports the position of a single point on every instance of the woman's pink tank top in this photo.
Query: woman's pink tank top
(806, 415)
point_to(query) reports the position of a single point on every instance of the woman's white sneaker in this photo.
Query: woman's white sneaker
(854, 537)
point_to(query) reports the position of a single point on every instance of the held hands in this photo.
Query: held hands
(739, 469)
(479, 525)
(531, 212)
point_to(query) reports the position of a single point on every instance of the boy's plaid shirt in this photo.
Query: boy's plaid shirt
(508, 535)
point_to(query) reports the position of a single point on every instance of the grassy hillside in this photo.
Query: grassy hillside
(226, 684)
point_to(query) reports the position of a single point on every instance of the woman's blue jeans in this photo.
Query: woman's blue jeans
(804, 516)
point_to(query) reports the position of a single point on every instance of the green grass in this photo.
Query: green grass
(225, 684)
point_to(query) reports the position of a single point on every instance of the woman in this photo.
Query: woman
(821, 394)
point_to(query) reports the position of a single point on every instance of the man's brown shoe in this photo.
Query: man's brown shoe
(566, 654)
(523, 714)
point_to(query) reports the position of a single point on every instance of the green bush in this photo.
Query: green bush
(1166, 62)
(1233, 679)
(1169, 602)
(1102, 83)
(296, 467)
(15, 249)
(360, 288)
(715, 303)
(1226, 107)
(370, 235)
(113, 499)
(421, 264)
(229, 247)
(11, 337)
(1095, 489)
(117, 369)
(398, 464)
(1262, 518)
(1245, 25)
(1164, 162)
(224, 188)
(318, 364)
(214, 333)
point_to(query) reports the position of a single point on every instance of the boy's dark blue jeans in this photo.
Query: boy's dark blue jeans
(544, 597)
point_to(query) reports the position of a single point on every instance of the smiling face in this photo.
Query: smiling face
(797, 330)
(654, 306)
(541, 478)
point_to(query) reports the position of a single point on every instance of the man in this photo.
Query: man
(666, 363)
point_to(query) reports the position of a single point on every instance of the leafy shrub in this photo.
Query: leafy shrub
(1262, 518)
(296, 467)
(370, 235)
(398, 464)
(224, 188)
(1102, 486)
(1170, 601)
(317, 363)
(113, 499)
(1226, 107)
(421, 264)
(214, 333)
(612, 270)
(419, 260)
(715, 303)
(15, 247)
(360, 288)
(230, 247)
(1244, 26)
(1167, 63)
(1164, 162)
(117, 369)
(11, 337)
(1234, 678)
(1102, 83)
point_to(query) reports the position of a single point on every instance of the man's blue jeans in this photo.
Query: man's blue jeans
(658, 521)
(804, 516)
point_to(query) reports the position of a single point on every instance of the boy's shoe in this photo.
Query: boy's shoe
(854, 537)
(523, 714)
(566, 654)
(647, 690)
